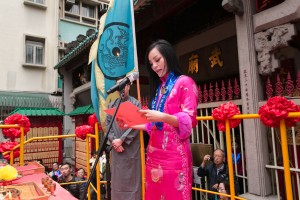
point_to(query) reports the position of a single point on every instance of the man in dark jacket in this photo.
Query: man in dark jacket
(216, 172)
(77, 190)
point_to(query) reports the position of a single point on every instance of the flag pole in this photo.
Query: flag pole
(142, 147)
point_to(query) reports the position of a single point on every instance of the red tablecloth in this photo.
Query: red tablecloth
(60, 192)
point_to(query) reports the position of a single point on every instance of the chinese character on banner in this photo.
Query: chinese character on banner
(215, 58)
(193, 64)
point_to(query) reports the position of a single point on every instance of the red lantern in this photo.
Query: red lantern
(8, 146)
(82, 131)
(276, 109)
(18, 119)
(92, 120)
(226, 111)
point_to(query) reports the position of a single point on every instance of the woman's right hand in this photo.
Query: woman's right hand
(153, 115)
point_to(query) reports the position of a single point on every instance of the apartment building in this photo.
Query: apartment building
(28, 52)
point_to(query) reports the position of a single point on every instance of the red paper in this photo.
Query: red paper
(128, 113)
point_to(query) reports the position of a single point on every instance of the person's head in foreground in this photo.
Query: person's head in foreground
(223, 187)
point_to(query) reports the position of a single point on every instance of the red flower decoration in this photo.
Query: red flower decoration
(276, 109)
(92, 120)
(82, 131)
(7, 146)
(226, 111)
(18, 119)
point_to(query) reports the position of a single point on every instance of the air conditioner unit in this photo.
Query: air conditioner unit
(62, 46)
(69, 4)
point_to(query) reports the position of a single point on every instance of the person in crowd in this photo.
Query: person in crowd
(77, 190)
(237, 161)
(103, 165)
(81, 173)
(47, 171)
(103, 175)
(224, 187)
(171, 117)
(216, 171)
(59, 167)
(93, 179)
(93, 158)
(55, 173)
(126, 161)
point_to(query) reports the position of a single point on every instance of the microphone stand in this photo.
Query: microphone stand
(106, 148)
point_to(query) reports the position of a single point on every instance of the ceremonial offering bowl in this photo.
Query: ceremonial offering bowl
(10, 194)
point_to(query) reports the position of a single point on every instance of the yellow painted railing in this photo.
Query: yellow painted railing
(22, 143)
(284, 146)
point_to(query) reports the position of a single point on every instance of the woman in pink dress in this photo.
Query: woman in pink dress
(172, 115)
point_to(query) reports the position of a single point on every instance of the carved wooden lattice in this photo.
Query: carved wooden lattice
(284, 86)
(216, 93)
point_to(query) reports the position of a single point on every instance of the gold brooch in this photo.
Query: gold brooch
(164, 90)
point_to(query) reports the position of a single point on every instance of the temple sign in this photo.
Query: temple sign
(215, 58)
(193, 64)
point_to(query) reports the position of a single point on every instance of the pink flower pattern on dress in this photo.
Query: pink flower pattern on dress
(169, 158)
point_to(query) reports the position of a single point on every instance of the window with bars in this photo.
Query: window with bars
(81, 11)
(88, 11)
(34, 50)
(74, 9)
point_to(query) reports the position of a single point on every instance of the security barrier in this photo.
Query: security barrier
(284, 146)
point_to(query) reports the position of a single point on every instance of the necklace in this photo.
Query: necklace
(165, 91)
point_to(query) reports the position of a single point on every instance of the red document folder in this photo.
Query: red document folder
(128, 113)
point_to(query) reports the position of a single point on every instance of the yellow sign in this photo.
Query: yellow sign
(193, 64)
(215, 58)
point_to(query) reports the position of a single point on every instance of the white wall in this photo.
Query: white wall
(17, 20)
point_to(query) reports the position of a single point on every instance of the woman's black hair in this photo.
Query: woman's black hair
(226, 185)
(168, 53)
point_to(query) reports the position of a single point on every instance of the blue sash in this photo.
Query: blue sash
(161, 104)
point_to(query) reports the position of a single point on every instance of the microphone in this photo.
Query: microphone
(120, 86)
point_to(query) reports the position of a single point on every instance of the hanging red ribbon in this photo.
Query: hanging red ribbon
(7, 146)
(18, 119)
(82, 131)
(226, 111)
(276, 109)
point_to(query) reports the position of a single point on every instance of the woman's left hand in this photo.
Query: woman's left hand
(153, 115)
